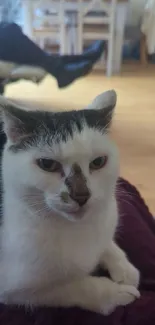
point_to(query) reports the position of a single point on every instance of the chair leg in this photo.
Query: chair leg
(62, 41)
(42, 43)
(110, 58)
(80, 46)
(77, 46)
(80, 35)
(68, 42)
(143, 50)
(73, 40)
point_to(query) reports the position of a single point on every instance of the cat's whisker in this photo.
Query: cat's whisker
(31, 200)
(121, 195)
(30, 197)
(34, 204)
(124, 191)
(39, 211)
(126, 201)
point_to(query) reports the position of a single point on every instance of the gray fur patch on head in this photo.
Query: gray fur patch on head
(26, 129)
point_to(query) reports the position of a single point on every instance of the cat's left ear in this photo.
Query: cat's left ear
(16, 121)
(105, 104)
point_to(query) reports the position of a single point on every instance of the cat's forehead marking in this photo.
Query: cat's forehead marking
(48, 128)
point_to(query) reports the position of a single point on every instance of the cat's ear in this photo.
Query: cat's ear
(105, 104)
(103, 101)
(16, 124)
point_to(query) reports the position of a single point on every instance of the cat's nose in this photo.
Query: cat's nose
(81, 198)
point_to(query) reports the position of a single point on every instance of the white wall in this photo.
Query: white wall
(135, 10)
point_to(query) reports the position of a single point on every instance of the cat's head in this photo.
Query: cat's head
(65, 161)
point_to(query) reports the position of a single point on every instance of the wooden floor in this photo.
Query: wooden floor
(134, 122)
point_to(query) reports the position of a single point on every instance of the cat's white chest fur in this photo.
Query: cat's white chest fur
(49, 251)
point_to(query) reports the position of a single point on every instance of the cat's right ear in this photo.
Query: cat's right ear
(14, 121)
(104, 101)
(104, 104)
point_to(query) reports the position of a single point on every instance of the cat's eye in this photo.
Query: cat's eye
(49, 165)
(98, 163)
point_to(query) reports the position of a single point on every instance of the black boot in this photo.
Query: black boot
(92, 53)
(68, 68)
(71, 72)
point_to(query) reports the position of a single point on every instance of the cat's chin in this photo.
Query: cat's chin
(74, 215)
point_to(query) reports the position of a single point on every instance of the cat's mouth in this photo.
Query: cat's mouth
(73, 213)
(79, 213)
(70, 210)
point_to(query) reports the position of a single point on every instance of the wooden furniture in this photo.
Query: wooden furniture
(97, 22)
(47, 21)
(121, 12)
(72, 6)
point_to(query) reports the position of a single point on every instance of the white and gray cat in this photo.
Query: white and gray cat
(59, 210)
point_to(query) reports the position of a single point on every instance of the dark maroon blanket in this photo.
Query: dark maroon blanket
(136, 235)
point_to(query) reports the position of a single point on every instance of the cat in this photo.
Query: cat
(60, 214)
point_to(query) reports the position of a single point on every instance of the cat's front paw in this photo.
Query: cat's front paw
(124, 295)
(125, 273)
